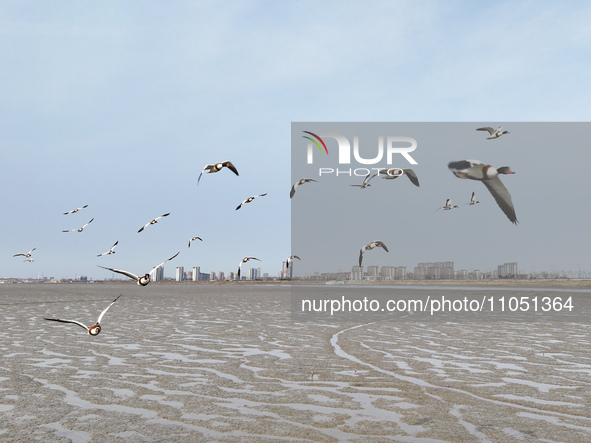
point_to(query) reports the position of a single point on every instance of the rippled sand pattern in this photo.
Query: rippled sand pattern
(225, 363)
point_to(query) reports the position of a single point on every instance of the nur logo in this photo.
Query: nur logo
(345, 148)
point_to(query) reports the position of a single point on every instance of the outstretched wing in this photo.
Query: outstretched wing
(490, 130)
(381, 244)
(119, 271)
(166, 261)
(82, 325)
(502, 197)
(412, 176)
(107, 308)
(230, 166)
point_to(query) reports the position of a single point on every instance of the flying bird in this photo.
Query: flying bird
(92, 330)
(193, 239)
(28, 254)
(244, 260)
(299, 183)
(290, 259)
(494, 133)
(153, 222)
(79, 229)
(447, 205)
(473, 200)
(489, 176)
(110, 251)
(391, 174)
(369, 246)
(249, 199)
(144, 280)
(366, 180)
(75, 210)
(217, 167)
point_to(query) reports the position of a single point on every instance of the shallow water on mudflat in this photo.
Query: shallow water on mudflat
(225, 363)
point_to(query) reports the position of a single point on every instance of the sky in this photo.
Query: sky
(120, 105)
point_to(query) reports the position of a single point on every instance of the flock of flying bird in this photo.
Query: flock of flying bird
(144, 280)
(464, 169)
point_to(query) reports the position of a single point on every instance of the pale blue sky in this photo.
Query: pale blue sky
(119, 105)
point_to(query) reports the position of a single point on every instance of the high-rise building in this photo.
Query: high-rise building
(159, 274)
(357, 273)
(196, 272)
(180, 273)
(372, 272)
(507, 269)
(434, 271)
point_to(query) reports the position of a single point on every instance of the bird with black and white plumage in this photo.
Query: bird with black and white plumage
(249, 199)
(217, 167)
(26, 254)
(193, 239)
(366, 181)
(92, 330)
(81, 228)
(447, 205)
(473, 200)
(244, 260)
(110, 251)
(153, 222)
(145, 279)
(494, 133)
(393, 173)
(370, 246)
(489, 176)
(300, 182)
(73, 211)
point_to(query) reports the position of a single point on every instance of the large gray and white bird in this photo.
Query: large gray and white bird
(73, 211)
(393, 173)
(92, 330)
(489, 176)
(153, 222)
(494, 133)
(79, 229)
(300, 182)
(244, 260)
(145, 279)
(370, 246)
(217, 167)
(249, 199)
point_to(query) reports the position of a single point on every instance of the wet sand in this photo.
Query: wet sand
(225, 363)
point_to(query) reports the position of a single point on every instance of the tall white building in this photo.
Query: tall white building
(507, 269)
(372, 272)
(196, 272)
(357, 273)
(180, 273)
(159, 274)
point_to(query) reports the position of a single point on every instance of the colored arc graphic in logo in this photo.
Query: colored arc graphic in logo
(314, 141)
